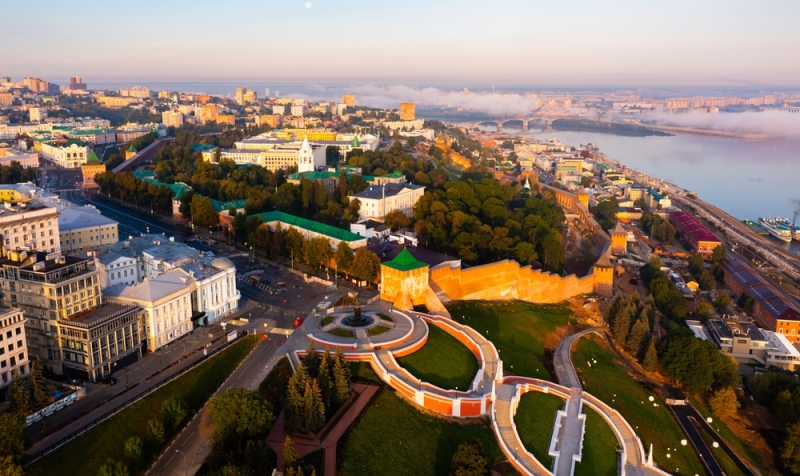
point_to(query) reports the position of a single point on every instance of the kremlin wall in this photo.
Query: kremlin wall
(407, 282)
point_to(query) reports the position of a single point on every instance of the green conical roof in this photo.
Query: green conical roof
(131, 148)
(92, 158)
(355, 144)
(405, 261)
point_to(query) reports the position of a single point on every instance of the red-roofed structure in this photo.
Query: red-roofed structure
(772, 311)
(698, 236)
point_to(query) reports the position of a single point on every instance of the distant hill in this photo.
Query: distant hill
(606, 128)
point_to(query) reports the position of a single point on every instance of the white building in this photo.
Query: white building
(414, 125)
(297, 111)
(72, 154)
(115, 268)
(215, 287)
(379, 200)
(37, 114)
(13, 345)
(370, 229)
(278, 156)
(136, 92)
(172, 118)
(167, 302)
(25, 159)
(32, 224)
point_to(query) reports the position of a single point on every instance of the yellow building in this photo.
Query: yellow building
(407, 111)
(272, 120)
(130, 152)
(229, 119)
(116, 101)
(85, 229)
(349, 100)
(90, 169)
(404, 281)
(208, 113)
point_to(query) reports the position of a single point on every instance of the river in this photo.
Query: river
(746, 178)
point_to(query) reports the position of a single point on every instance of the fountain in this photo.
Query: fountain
(357, 319)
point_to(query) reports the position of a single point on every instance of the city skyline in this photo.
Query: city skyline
(571, 44)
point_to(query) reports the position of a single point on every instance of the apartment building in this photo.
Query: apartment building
(32, 224)
(25, 159)
(172, 118)
(13, 345)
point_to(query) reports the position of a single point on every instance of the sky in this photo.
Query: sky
(417, 42)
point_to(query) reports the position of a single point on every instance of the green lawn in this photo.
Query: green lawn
(725, 462)
(608, 382)
(516, 328)
(600, 444)
(443, 361)
(341, 332)
(85, 454)
(392, 437)
(362, 371)
(722, 429)
(535, 417)
(385, 317)
(328, 320)
(378, 330)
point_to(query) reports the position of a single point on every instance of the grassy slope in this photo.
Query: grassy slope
(535, 417)
(443, 361)
(599, 447)
(656, 425)
(87, 453)
(392, 437)
(516, 328)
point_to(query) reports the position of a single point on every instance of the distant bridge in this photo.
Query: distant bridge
(524, 120)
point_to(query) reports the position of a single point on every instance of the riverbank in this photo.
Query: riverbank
(710, 132)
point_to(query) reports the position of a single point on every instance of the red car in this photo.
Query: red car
(286, 301)
(298, 320)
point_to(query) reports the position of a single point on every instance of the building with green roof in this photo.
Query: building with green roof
(404, 261)
(312, 229)
(224, 207)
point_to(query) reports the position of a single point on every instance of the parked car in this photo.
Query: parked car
(297, 321)
(109, 380)
(286, 301)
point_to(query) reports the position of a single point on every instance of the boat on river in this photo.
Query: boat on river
(776, 228)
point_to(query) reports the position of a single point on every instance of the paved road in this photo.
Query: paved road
(189, 450)
(683, 413)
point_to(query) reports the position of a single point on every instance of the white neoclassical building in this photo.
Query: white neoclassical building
(167, 304)
(379, 200)
(72, 154)
(215, 291)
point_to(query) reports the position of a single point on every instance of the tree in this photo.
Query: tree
(650, 360)
(718, 254)
(344, 257)
(469, 460)
(341, 382)
(113, 468)
(790, 452)
(525, 252)
(262, 236)
(704, 310)
(290, 455)
(723, 301)
(639, 337)
(723, 402)
(133, 451)
(174, 411)
(293, 242)
(38, 385)
(706, 281)
(366, 265)
(621, 324)
(314, 408)
(696, 264)
(325, 379)
(311, 360)
(202, 212)
(240, 227)
(19, 395)
(294, 408)
(9, 468)
(586, 182)
(239, 415)
(606, 213)
(396, 219)
(317, 251)
(155, 429)
(13, 431)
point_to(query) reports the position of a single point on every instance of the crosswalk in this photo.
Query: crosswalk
(262, 285)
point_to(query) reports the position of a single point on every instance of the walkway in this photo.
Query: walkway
(570, 435)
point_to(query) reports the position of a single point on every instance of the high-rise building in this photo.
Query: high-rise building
(349, 100)
(6, 99)
(407, 111)
(266, 92)
(140, 92)
(172, 118)
(6, 80)
(240, 96)
(208, 113)
(36, 85)
(76, 84)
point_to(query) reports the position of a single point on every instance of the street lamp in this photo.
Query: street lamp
(184, 461)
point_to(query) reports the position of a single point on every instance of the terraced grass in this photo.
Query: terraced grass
(608, 382)
(443, 361)
(599, 457)
(85, 454)
(392, 437)
(535, 417)
(516, 328)
(341, 333)
(378, 330)
(327, 320)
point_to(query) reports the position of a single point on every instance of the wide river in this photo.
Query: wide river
(746, 178)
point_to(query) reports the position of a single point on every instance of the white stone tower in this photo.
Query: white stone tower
(305, 159)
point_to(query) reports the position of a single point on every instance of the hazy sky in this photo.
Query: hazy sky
(524, 42)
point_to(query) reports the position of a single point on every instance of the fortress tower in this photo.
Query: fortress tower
(619, 239)
(583, 197)
(603, 276)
